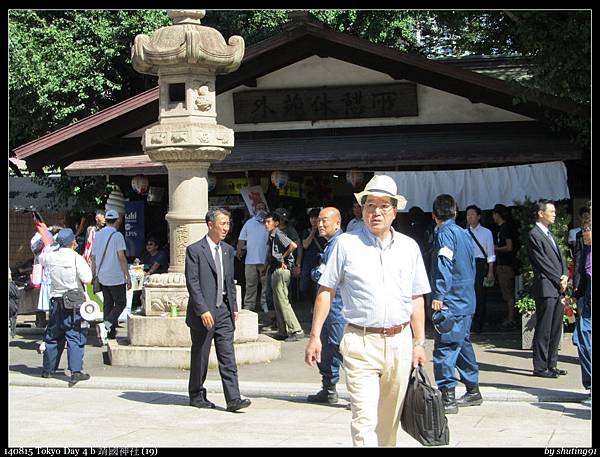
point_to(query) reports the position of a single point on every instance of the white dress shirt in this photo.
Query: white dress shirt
(486, 239)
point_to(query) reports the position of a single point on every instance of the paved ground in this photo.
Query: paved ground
(519, 409)
(140, 418)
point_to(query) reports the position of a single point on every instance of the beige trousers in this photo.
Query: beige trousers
(377, 368)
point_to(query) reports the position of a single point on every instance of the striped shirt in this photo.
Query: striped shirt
(377, 279)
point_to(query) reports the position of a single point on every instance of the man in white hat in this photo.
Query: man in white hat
(382, 279)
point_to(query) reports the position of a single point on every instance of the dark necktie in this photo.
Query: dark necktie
(219, 277)
(549, 233)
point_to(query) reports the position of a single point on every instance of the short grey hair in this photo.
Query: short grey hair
(212, 214)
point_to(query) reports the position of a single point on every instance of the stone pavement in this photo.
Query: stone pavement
(519, 409)
(130, 417)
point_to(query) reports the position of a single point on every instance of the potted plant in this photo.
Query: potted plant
(525, 216)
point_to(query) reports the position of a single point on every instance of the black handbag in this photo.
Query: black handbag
(423, 415)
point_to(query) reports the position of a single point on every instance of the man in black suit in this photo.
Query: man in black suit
(212, 311)
(549, 283)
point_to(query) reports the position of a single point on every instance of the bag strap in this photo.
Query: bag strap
(104, 253)
(420, 376)
(478, 243)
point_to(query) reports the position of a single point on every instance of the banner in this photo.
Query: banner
(252, 196)
(134, 228)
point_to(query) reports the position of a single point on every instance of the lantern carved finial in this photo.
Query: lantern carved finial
(186, 42)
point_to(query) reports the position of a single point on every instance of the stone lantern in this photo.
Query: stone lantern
(186, 56)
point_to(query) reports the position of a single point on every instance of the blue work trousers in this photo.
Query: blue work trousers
(453, 350)
(64, 325)
(582, 338)
(331, 359)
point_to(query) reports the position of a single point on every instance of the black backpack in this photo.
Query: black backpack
(423, 415)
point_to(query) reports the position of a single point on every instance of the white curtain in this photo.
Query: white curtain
(483, 187)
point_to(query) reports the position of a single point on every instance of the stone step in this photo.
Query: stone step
(263, 349)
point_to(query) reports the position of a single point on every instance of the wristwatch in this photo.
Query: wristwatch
(419, 344)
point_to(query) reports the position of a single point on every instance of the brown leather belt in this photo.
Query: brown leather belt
(385, 331)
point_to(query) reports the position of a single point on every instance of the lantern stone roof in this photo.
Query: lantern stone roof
(186, 42)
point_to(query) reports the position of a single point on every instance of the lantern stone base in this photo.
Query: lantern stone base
(156, 341)
(263, 350)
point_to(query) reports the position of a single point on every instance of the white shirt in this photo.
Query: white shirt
(377, 280)
(255, 234)
(547, 232)
(65, 268)
(110, 273)
(214, 256)
(486, 239)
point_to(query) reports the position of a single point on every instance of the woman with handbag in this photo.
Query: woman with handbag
(67, 271)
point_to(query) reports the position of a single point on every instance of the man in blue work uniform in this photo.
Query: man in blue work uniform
(329, 224)
(453, 303)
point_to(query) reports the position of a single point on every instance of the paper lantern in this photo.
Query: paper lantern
(212, 182)
(279, 179)
(116, 201)
(354, 177)
(140, 184)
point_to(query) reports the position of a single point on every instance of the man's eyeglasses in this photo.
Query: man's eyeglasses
(384, 207)
(586, 229)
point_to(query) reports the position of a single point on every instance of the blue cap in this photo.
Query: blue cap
(65, 238)
(443, 320)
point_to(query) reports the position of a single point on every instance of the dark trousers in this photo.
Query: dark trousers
(331, 359)
(64, 325)
(548, 330)
(222, 333)
(481, 270)
(115, 301)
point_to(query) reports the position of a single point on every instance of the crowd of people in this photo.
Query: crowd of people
(373, 287)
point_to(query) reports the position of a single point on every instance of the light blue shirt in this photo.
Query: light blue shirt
(377, 280)
(110, 273)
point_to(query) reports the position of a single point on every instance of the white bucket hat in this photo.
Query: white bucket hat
(382, 186)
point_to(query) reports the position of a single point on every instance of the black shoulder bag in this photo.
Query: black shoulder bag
(423, 415)
(74, 298)
(478, 244)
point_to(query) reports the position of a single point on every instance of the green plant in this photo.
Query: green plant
(525, 304)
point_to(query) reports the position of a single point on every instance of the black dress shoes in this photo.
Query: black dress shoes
(203, 404)
(558, 371)
(238, 403)
(78, 376)
(545, 374)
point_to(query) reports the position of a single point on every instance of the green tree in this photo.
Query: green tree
(66, 65)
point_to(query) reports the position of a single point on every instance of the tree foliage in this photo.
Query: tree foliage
(66, 65)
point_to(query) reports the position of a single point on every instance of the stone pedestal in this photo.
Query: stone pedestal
(157, 341)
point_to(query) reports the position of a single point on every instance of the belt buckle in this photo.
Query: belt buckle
(386, 331)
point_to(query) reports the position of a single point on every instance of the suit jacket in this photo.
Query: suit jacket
(547, 262)
(201, 281)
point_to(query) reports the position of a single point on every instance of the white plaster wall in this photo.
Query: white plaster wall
(435, 106)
